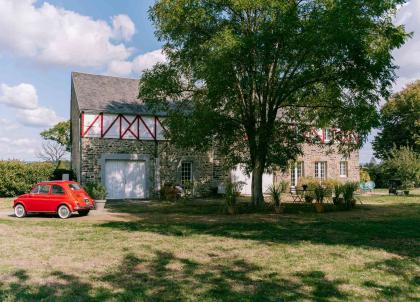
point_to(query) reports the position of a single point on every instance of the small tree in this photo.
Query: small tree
(404, 164)
(60, 133)
(57, 142)
(51, 151)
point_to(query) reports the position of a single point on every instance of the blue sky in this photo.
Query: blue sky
(42, 42)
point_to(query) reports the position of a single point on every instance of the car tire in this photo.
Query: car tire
(20, 211)
(83, 213)
(63, 212)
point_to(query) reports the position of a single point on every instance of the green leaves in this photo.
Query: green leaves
(60, 133)
(241, 72)
(400, 122)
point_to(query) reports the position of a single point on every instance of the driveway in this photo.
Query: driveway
(94, 215)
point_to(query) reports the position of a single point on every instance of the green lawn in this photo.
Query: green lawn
(191, 251)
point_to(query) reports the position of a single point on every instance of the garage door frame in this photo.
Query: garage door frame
(129, 157)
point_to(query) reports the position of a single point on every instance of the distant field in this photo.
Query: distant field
(189, 251)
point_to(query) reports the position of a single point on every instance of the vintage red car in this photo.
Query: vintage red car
(60, 197)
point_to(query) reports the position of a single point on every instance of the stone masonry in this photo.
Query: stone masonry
(316, 153)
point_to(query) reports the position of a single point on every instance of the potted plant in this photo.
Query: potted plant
(348, 194)
(338, 195)
(275, 193)
(319, 196)
(230, 197)
(98, 192)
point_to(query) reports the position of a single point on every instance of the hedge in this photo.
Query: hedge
(18, 177)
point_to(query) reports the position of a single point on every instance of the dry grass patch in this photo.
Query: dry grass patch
(191, 251)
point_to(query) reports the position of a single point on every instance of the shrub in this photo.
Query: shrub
(404, 164)
(170, 192)
(364, 175)
(230, 193)
(275, 193)
(18, 177)
(96, 190)
(329, 185)
(311, 184)
(348, 190)
(319, 193)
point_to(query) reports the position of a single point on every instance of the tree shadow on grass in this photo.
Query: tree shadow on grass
(398, 235)
(166, 277)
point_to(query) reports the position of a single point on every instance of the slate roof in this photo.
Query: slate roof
(98, 93)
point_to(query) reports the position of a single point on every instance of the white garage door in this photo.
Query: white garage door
(125, 179)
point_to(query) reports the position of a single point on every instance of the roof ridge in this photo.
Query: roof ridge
(73, 73)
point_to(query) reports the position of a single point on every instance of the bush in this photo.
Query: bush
(404, 164)
(18, 177)
(364, 175)
(275, 193)
(348, 190)
(170, 192)
(96, 190)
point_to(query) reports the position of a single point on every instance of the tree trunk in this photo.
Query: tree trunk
(257, 186)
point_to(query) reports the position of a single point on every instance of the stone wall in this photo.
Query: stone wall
(207, 170)
(316, 153)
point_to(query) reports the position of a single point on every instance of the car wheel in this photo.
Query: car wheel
(20, 211)
(63, 212)
(83, 213)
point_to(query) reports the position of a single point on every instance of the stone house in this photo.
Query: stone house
(117, 141)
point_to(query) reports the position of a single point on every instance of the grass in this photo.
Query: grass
(191, 251)
(6, 203)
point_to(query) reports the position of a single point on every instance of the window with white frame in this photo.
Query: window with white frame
(343, 168)
(296, 172)
(321, 169)
(327, 135)
(186, 172)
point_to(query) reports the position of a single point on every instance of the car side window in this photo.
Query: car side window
(44, 189)
(35, 190)
(57, 190)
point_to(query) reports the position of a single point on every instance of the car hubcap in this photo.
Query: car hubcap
(63, 211)
(19, 211)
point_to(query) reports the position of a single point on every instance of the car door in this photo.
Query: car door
(57, 197)
(38, 198)
(32, 202)
(42, 204)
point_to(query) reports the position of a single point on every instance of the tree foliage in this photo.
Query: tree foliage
(404, 163)
(60, 133)
(251, 76)
(400, 122)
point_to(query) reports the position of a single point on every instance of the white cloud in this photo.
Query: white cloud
(138, 64)
(53, 35)
(22, 96)
(408, 56)
(120, 68)
(18, 147)
(7, 125)
(124, 28)
(39, 117)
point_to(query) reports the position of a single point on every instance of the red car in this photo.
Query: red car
(61, 197)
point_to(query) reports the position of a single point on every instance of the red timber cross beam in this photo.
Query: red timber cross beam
(120, 126)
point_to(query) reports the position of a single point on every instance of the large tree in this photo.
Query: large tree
(400, 122)
(251, 76)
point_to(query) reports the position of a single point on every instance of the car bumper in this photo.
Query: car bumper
(81, 208)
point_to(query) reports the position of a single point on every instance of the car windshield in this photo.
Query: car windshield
(75, 187)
